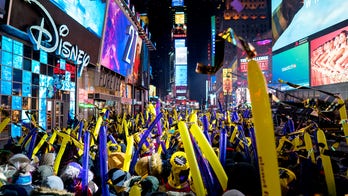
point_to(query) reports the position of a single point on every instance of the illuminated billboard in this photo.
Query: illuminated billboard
(89, 14)
(179, 18)
(177, 3)
(291, 65)
(178, 43)
(329, 58)
(312, 17)
(179, 31)
(119, 41)
(180, 75)
(261, 60)
(227, 81)
(137, 69)
(180, 91)
(181, 56)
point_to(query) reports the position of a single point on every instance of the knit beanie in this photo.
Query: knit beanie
(47, 159)
(53, 182)
(44, 171)
(21, 162)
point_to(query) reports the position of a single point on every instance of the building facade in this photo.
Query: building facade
(51, 65)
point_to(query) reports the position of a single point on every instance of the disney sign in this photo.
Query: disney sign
(50, 42)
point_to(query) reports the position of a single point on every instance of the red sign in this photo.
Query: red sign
(261, 60)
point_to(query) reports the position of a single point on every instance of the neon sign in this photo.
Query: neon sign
(50, 42)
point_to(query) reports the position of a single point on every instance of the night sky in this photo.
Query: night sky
(198, 34)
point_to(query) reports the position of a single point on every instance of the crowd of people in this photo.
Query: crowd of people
(157, 165)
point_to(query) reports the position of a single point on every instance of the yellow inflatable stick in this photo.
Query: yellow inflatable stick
(4, 123)
(129, 149)
(309, 146)
(53, 137)
(152, 111)
(191, 157)
(97, 126)
(326, 162)
(264, 132)
(66, 139)
(193, 117)
(208, 152)
(38, 146)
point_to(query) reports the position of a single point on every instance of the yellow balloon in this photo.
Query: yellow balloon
(129, 152)
(191, 157)
(210, 155)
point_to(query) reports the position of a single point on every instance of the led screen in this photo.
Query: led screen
(137, 61)
(181, 90)
(89, 14)
(179, 31)
(181, 56)
(178, 43)
(179, 18)
(227, 80)
(312, 17)
(329, 58)
(292, 66)
(180, 75)
(177, 3)
(119, 41)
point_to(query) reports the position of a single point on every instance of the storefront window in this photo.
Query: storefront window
(6, 73)
(6, 87)
(17, 89)
(6, 58)
(27, 84)
(16, 103)
(35, 66)
(17, 61)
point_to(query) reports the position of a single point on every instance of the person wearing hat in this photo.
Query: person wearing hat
(44, 169)
(178, 180)
(51, 185)
(117, 179)
(21, 181)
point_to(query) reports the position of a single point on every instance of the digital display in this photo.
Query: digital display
(312, 17)
(145, 67)
(180, 75)
(89, 14)
(179, 31)
(329, 58)
(119, 41)
(261, 60)
(227, 80)
(291, 66)
(178, 43)
(177, 3)
(179, 18)
(181, 56)
(137, 61)
(181, 90)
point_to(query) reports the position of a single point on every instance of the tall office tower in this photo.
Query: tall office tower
(179, 70)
